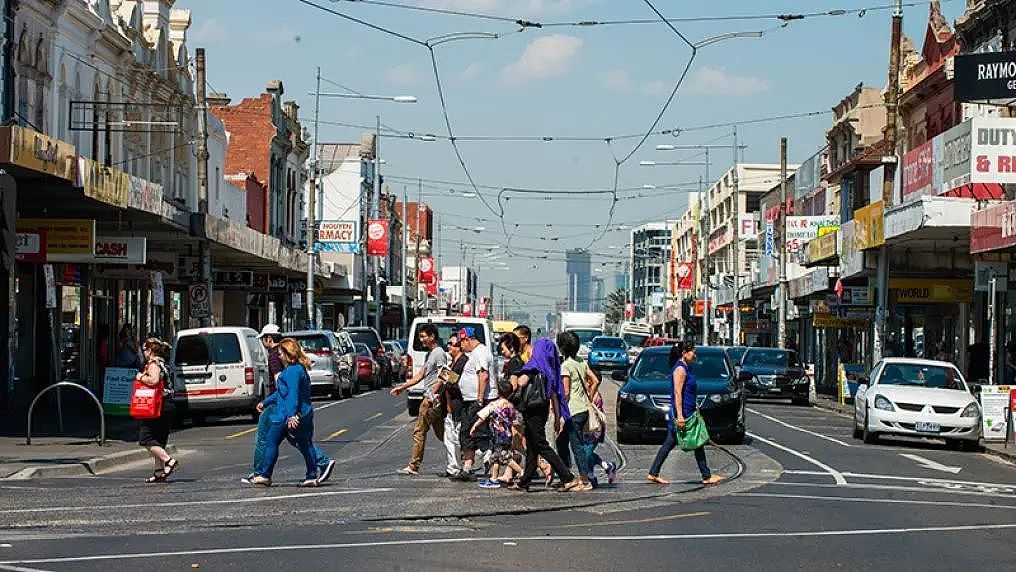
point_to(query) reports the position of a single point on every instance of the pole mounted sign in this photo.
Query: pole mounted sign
(377, 237)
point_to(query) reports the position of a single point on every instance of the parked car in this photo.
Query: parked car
(218, 371)
(644, 401)
(329, 374)
(370, 337)
(395, 355)
(446, 326)
(775, 373)
(608, 352)
(347, 355)
(917, 398)
(367, 369)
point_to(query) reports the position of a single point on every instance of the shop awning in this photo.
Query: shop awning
(993, 228)
(929, 220)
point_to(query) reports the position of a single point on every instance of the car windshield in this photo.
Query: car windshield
(366, 337)
(771, 358)
(656, 365)
(586, 336)
(362, 350)
(634, 340)
(313, 342)
(610, 343)
(923, 375)
(736, 353)
(445, 330)
(202, 349)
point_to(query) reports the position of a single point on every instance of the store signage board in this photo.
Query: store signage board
(32, 150)
(993, 228)
(869, 231)
(338, 236)
(932, 290)
(802, 229)
(102, 183)
(822, 247)
(110, 250)
(988, 78)
(63, 236)
(117, 385)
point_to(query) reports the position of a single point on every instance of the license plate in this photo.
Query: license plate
(927, 427)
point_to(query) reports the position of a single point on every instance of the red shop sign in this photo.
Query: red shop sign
(993, 228)
(917, 171)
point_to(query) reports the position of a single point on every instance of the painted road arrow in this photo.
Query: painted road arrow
(929, 464)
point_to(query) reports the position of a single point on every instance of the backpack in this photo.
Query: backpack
(501, 420)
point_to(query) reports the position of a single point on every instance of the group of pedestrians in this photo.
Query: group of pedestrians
(494, 427)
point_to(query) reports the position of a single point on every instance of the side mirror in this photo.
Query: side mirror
(862, 387)
(619, 375)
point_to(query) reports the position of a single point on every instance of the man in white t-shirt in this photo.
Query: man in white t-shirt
(477, 389)
(431, 414)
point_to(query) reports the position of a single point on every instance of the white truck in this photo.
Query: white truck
(586, 325)
(635, 334)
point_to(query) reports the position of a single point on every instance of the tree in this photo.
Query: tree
(615, 304)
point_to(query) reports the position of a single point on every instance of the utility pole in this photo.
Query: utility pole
(416, 260)
(704, 271)
(204, 249)
(490, 302)
(781, 296)
(891, 104)
(375, 206)
(312, 209)
(737, 254)
(405, 262)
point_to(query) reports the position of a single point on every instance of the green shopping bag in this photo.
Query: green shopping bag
(694, 435)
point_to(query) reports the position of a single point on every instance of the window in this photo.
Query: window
(204, 349)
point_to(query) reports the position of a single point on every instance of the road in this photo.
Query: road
(806, 496)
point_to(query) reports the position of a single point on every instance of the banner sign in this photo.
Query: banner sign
(377, 237)
(869, 231)
(685, 275)
(338, 236)
(770, 246)
(803, 229)
(917, 171)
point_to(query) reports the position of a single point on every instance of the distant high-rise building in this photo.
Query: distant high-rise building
(578, 267)
(599, 293)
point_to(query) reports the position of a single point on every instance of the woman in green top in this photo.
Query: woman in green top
(580, 384)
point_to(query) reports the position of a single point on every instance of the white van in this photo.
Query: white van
(446, 326)
(218, 371)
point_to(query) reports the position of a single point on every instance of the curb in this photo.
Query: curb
(89, 467)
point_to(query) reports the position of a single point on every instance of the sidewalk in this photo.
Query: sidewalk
(991, 448)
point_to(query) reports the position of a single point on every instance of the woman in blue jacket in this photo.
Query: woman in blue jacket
(293, 415)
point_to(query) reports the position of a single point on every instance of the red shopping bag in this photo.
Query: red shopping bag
(146, 402)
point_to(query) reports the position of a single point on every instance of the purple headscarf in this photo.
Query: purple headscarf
(546, 361)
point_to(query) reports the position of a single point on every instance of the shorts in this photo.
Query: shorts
(503, 454)
(155, 432)
(481, 440)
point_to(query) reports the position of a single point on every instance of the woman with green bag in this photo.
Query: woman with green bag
(687, 429)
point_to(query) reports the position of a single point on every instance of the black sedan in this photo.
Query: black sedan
(643, 402)
(775, 373)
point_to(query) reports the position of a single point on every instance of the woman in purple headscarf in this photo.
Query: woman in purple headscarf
(546, 364)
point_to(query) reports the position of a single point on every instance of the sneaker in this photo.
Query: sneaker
(248, 479)
(489, 484)
(611, 473)
(326, 472)
(309, 483)
(261, 482)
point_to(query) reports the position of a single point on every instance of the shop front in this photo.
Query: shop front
(993, 244)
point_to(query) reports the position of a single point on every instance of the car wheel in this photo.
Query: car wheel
(857, 430)
(348, 392)
(737, 438)
(198, 420)
(869, 436)
(413, 408)
(800, 401)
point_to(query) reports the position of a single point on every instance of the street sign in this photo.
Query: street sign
(200, 307)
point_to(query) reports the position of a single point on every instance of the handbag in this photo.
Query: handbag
(146, 401)
(534, 396)
(595, 418)
(694, 434)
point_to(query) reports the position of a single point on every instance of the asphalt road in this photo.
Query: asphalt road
(806, 496)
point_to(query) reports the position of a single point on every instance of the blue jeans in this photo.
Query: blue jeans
(261, 442)
(667, 446)
(300, 438)
(581, 448)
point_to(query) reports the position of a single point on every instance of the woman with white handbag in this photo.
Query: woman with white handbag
(580, 383)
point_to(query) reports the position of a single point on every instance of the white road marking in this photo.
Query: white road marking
(922, 490)
(245, 500)
(20, 568)
(878, 500)
(327, 405)
(365, 394)
(929, 464)
(796, 428)
(836, 475)
(533, 539)
(904, 478)
(5, 545)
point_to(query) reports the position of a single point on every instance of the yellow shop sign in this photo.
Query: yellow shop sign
(822, 248)
(103, 183)
(63, 235)
(24, 147)
(869, 229)
(932, 290)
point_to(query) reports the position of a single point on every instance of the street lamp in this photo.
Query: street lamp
(394, 98)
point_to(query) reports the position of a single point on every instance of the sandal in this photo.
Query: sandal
(157, 477)
(656, 479)
(569, 486)
(712, 480)
(408, 471)
(171, 466)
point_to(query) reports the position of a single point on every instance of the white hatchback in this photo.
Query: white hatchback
(917, 398)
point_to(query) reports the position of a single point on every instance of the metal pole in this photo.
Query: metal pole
(706, 312)
(416, 261)
(205, 251)
(737, 254)
(891, 103)
(311, 209)
(405, 262)
(992, 324)
(375, 207)
(781, 332)
(704, 272)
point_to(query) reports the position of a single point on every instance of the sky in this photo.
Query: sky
(554, 81)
